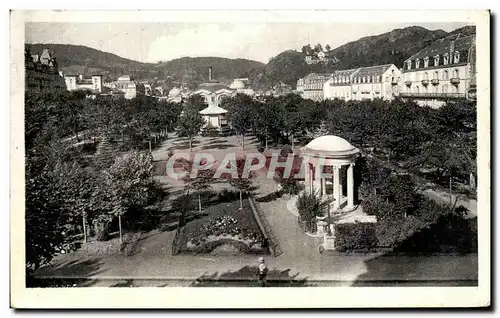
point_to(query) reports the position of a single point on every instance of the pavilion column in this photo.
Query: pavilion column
(336, 187)
(317, 179)
(311, 176)
(350, 186)
(307, 175)
(341, 177)
(323, 187)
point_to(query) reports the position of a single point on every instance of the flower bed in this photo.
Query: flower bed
(225, 228)
(226, 225)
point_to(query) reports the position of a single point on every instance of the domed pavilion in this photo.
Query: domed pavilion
(329, 159)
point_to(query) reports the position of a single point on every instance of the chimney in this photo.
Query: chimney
(210, 74)
(452, 48)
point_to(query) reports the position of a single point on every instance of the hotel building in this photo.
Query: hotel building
(311, 86)
(380, 81)
(445, 70)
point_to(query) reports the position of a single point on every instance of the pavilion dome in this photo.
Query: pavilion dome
(237, 84)
(331, 144)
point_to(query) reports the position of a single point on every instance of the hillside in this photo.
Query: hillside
(78, 59)
(195, 70)
(391, 47)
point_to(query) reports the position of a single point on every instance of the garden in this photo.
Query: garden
(225, 229)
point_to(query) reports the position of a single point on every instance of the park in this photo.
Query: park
(138, 193)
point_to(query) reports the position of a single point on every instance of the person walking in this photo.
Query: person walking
(262, 272)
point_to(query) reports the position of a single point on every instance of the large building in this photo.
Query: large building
(127, 85)
(380, 81)
(311, 86)
(42, 72)
(339, 85)
(78, 82)
(445, 70)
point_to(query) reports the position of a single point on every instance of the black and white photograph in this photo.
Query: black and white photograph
(190, 155)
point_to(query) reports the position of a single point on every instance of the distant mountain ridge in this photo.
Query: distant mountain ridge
(287, 67)
(79, 59)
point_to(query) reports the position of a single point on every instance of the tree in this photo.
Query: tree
(196, 102)
(306, 49)
(292, 112)
(202, 181)
(75, 188)
(45, 219)
(190, 123)
(130, 180)
(241, 114)
(327, 48)
(242, 182)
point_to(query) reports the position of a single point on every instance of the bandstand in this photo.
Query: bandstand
(328, 160)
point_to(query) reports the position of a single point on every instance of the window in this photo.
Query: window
(426, 76)
(445, 75)
(456, 57)
(373, 79)
(379, 78)
(417, 63)
(426, 61)
(445, 59)
(436, 60)
(364, 79)
(408, 65)
(456, 74)
(445, 89)
(436, 75)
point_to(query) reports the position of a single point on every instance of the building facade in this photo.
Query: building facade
(339, 85)
(445, 70)
(311, 86)
(78, 82)
(127, 85)
(380, 81)
(42, 72)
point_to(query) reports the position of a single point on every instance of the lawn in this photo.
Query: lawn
(224, 229)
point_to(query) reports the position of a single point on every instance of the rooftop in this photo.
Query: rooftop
(212, 87)
(213, 110)
(330, 145)
(442, 46)
(372, 70)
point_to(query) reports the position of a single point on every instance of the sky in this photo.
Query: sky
(152, 42)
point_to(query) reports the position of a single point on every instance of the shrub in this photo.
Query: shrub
(355, 236)
(310, 205)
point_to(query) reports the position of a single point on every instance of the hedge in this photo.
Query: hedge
(355, 236)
